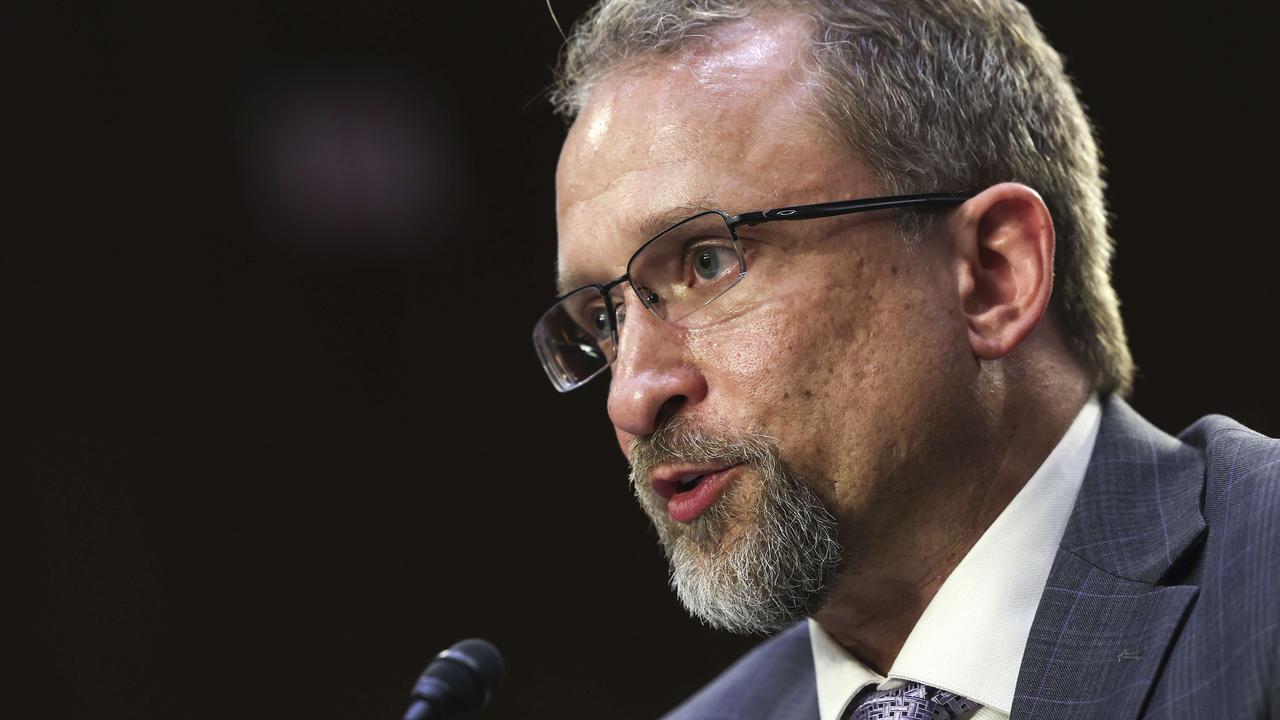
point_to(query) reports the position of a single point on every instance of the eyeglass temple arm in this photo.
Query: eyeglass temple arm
(806, 212)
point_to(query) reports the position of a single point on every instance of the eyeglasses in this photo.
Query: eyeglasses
(677, 274)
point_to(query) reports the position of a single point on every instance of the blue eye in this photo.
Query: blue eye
(709, 261)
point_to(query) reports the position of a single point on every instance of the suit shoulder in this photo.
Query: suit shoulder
(1241, 506)
(1214, 430)
(778, 673)
(1235, 623)
(1240, 464)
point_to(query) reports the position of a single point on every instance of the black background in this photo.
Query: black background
(265, 470)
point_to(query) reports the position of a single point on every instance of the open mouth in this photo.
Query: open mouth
(689, 491)
(690, 483)
(668, 484)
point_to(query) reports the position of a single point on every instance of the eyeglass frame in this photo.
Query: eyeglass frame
(747, 219)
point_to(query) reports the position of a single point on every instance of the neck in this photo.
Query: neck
(881, 595)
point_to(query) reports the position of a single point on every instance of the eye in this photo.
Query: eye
(710, 261)
(595, 320)
(599, 321)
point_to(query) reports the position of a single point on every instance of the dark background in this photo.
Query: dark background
(280, 434)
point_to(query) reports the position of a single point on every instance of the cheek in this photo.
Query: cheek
(828, 366)
(742, 351)
(765, 369)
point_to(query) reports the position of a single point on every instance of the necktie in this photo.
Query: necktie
(912, 701)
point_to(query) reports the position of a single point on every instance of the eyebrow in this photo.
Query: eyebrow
(649, 225)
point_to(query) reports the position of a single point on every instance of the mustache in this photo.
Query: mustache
(679, 440)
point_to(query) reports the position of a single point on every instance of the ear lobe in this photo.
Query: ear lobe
(1005, 244)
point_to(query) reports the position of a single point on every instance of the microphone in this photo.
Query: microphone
(458, 683)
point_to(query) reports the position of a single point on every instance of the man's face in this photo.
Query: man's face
(843, 365)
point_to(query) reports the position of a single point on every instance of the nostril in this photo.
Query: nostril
(668, 409)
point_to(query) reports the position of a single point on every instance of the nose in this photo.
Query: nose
(652, 379)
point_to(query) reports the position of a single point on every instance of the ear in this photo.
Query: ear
(1003, 242)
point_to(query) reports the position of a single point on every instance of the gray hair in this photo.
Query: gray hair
(934, 95)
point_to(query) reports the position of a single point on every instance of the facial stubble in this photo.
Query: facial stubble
(753, 562)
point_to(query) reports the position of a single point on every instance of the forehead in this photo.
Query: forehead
(728, 125)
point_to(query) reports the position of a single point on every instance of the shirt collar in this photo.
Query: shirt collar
(971, 637)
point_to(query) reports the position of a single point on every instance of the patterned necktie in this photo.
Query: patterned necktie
(912, 701)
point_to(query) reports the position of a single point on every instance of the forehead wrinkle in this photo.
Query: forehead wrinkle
(615, 185)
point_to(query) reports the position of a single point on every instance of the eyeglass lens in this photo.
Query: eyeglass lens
(676, 276)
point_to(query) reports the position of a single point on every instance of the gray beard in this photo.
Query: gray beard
(775, 569)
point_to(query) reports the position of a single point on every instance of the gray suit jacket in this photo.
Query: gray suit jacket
(1163, 600)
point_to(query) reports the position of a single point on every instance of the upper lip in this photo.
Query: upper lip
(665, 479)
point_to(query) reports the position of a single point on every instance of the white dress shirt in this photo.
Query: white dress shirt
(971, 637)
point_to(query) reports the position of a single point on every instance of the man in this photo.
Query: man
(847, 264)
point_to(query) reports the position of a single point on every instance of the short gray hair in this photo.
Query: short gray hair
(934, 95)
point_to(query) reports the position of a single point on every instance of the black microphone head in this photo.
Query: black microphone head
(458, 683)
(486, 661)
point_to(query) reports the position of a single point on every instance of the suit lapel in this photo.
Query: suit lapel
(1104, 622)
(775, 681)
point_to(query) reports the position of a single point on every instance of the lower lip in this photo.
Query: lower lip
(687, 506)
